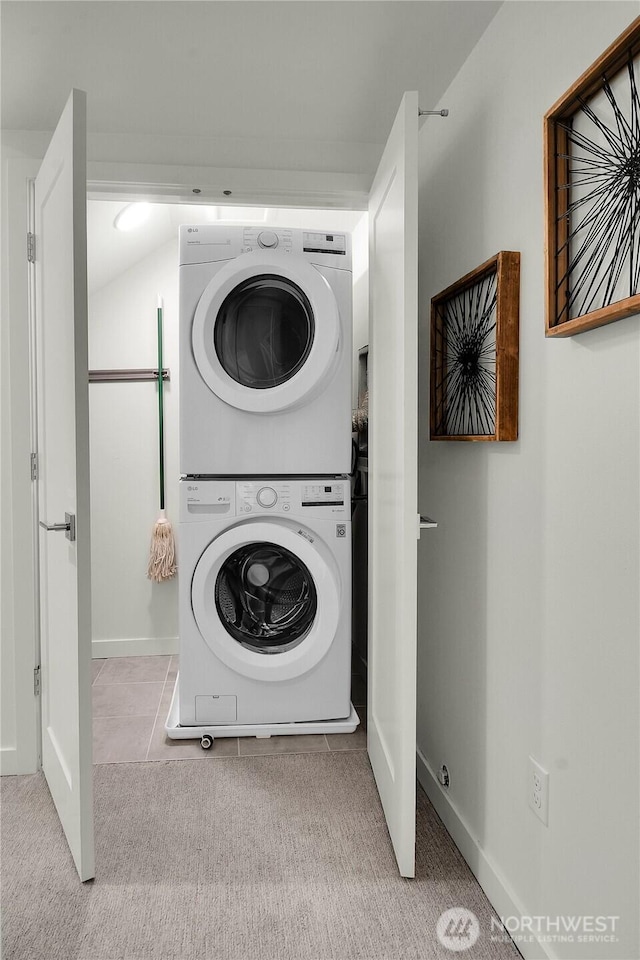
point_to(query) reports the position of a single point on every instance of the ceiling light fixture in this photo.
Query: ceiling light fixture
(132, 216)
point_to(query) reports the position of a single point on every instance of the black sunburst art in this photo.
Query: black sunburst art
(474, 354)
(593, 175)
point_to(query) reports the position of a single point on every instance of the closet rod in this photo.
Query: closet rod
(127, 376)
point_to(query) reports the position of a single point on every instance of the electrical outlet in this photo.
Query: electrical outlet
(538, 790)
(443, 776)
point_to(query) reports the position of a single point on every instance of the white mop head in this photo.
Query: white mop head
(162, 555)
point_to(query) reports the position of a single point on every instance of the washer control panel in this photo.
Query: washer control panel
(202, 498)
(299, 497)
(263, 496)
(323, 494)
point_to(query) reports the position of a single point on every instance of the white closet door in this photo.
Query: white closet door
(63, 479)
(393, 521)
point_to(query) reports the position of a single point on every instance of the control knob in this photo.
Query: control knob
(267, 497)
(268, 239)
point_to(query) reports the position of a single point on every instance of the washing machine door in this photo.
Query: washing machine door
(266, 332)
(266, 598)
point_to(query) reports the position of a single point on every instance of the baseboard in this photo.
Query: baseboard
(8, 761)
(502, 899)
(135, 647)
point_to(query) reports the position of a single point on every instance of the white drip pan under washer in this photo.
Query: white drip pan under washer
(260, 730)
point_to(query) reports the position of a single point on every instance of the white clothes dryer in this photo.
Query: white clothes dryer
(265, 601)
(265, 351)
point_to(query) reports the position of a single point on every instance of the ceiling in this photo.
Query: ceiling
(110, 252)
(260, 69)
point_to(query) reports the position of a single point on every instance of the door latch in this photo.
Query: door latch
(425, 523)
(69, 526)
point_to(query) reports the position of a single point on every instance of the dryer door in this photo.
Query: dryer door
(266, 598)
(266, 332)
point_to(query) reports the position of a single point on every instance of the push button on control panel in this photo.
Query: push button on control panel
(267, 497)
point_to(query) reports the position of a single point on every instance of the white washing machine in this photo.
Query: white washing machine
(265, 351)
(265, 602)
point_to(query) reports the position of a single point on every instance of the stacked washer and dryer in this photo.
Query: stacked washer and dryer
(265, 452)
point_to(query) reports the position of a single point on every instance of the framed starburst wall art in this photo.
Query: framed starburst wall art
(474, 354)
(592, 163)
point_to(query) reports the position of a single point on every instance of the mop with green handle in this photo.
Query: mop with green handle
(162, 555)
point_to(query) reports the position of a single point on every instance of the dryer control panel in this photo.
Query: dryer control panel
(257, 237)
(335, 243)
(211, 243)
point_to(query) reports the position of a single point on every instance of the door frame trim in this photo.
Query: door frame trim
(35, 506)
(153, 183)
(19, 635)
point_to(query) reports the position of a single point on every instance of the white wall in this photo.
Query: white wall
(132, 615)
(529, 588)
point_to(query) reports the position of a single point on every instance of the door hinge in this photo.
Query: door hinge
(36, 681)
(34, 466)
(31, 247)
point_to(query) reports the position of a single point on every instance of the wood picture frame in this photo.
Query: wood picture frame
(475, 354)
(592, 194)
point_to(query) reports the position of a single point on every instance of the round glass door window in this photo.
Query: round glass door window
(265, 597)
(264, 331)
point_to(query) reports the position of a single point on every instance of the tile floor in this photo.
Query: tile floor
(131, 698)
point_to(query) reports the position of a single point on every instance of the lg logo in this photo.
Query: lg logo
(192, 230)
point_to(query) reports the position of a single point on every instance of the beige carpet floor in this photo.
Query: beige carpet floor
(250, 858)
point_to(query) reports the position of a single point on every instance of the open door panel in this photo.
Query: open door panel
(393, 530)
(63, 478)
